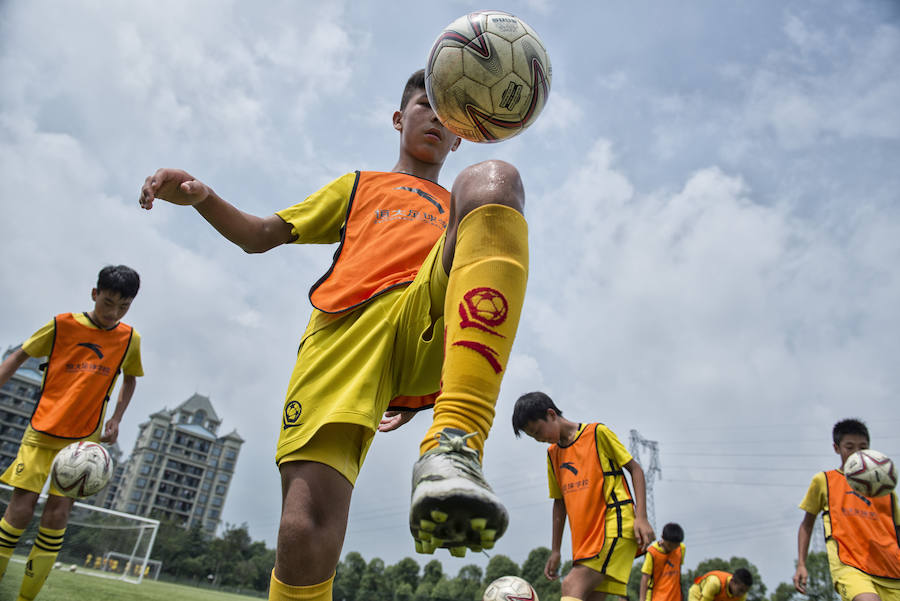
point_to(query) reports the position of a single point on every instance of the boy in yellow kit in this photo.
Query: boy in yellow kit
(85, 352)
(719, 585)
(585, 463)
(862, 535)
(661, 571)
(424, 294)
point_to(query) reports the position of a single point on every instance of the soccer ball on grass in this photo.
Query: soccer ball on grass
(509, 588)
(488, 76)
(81, 469)
(870, 473)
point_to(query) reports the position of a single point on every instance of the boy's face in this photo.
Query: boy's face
(849, 444)
(421, 133)
(544, 430)
(109, 307)
(667, 545)
(737, 589)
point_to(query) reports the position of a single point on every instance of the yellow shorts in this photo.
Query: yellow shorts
(351, 365)
(341, 446)
(850, 582)
(30, 469)
(614, 560)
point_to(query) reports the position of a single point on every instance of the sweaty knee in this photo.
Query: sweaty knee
(489, 182)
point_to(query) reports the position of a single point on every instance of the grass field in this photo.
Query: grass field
(67, 586)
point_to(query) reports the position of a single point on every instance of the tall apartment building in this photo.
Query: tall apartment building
(180, 469)
(17, 400)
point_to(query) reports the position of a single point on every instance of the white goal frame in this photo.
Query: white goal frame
(146, 526)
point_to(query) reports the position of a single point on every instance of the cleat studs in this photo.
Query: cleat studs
(487, 544)
(437, 542)
(458, 551)
(475, 549)
(424, 536)
(428, 548)
(478, 524)
(420, 547)
(488, 535)
(439, 516)
(427, 525)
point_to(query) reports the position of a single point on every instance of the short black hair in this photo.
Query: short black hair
(119, 278)
(848, 426)
(530, 407)
(415, 83)
(744, 576)
(673, 533)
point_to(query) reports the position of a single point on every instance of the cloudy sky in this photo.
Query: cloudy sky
(714, 207)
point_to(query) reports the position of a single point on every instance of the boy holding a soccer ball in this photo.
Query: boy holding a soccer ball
(85, 352)
(861, 533)
(424, 294)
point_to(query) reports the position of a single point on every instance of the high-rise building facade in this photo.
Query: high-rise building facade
(18, 398)
(180, 468)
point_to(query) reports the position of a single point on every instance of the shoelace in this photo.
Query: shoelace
(465, 458)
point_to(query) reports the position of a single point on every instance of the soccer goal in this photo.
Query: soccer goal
(99, 541)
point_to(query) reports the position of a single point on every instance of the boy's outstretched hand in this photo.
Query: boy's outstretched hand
(643, 532)
(394, 419)
(175, 186)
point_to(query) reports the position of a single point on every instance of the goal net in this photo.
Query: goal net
(98, 541)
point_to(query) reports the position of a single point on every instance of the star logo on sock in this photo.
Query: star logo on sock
(483, 309)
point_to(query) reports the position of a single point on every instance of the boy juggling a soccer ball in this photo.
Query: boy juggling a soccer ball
(587, 484)
(862, 535)
(719, 585)
(661, 570)
(424, 294)
(85, 353)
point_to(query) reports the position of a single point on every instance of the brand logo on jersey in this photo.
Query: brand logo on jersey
(93, 347)
(19, 468)
(424, 195)
(856, 494)
(29, 568)
(568, 466)
(483, 309)
(291, 415)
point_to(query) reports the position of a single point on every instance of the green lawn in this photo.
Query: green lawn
(68, 586)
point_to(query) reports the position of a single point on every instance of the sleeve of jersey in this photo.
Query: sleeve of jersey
(131, 365)
(552, 484)
(647, 568)
(709, 588)
(814, 501)
(319, 218)
(40, 343)
(608, 444)
(896, 510)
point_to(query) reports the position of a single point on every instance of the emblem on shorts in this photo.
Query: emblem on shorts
(20, 467)
(291, 415)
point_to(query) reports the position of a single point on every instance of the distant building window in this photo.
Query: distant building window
(149, 456)
(158, 433)
(136, 495)
(206, 486)
(203, 499)
(229, 466)
(141, 482)
(210, 525)
(154, 444)
(217, 501)
(199, 417)
(131, 508)
(230, 454)
(223, 478)
(220, 490)
(145, 469)
(213, 513)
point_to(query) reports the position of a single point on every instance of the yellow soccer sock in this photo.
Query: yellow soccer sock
(9, 536)
(484, 299)
(40, 561)
(279, 591)
(569, 599)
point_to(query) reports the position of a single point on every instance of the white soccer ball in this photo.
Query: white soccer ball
(509, 588)
(870, 473)
(81, 469)
(488, 76)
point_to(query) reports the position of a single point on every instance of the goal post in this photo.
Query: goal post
(98, 541)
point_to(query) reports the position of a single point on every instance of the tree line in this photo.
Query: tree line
(233, 561)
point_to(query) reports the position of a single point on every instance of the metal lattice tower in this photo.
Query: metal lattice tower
(638, 443)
